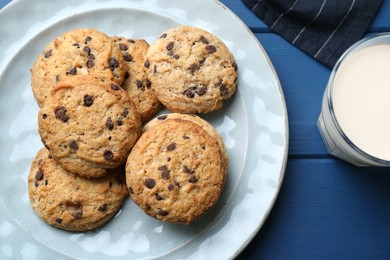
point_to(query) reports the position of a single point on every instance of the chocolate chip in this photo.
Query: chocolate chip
(57, 78)
(147, 64)
(119, 180)
(158, 197)
(87, 49)
(148, 207)
(131, 191)
(189, 93)
(103, 208)
(201, 91)
(176, 56)
(109, 123)
(73, 145)
(44, 116)
(163, 117)
(39, 161)
(204, 39)
(171, 147)
(224, 90)
(90, 64)
(76, 45)
(48, 54)
(108, 155)
(87, 39)
(72, 71)
(194, 67)
(148, 83)
(165, 173)
(150, 183)
(127, 57)
(234, 65)
(36, 184)
(127, 75)
(201, 62)
(219, 83)
(39, 175)
(168, 159)
(186, 137)
(88, 100)
(114, 63)
(46, 182)
(119, 122)
(171, 187)
(164, 35)
(139, 84)
(154, 69)
(193, 179)
(115, 87)
(91, 56)
(186, 169)
(170, 46)
(60, 113)
(77, 214)
(131, 40)
(59, 220)
(123, 47)
(211, 49)
(162, 213)
(125, 112)
(50, 156)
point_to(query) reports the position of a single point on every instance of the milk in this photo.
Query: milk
(355, 117)
(361, 99)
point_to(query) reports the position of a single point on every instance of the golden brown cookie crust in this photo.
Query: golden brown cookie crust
(191, 70)
(175, 172)
(89, 124)
(77, 52)
(136, 82)
(70, 202)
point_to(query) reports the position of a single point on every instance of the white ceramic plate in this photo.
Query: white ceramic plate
(253, 124)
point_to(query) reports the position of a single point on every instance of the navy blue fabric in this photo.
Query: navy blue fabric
(322, 28)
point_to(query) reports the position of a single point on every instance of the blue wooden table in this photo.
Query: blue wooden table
(326, 209)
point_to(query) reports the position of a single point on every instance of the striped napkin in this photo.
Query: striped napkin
(322, 28)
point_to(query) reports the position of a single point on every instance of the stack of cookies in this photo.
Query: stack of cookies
(94, 94)
(88, 125)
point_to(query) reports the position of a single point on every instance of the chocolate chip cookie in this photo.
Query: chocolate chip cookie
(191, 70)
(89, 124)
(175, 172)
(136, 83)
(77, 52)
(68, 201)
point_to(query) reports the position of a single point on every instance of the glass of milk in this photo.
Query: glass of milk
(355, 117)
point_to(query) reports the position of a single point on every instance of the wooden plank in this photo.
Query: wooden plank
(246, 15)
(327, 209)
(3, 3)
